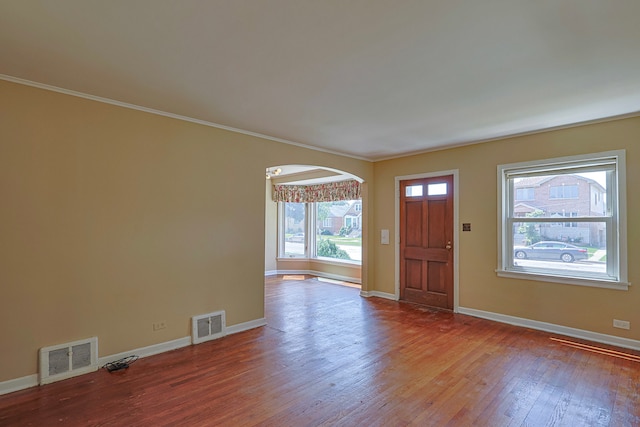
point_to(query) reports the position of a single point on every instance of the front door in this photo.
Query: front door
(426, 241)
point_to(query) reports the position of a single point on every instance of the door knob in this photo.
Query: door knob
(448, 246)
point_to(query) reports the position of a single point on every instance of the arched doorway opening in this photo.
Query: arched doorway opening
(314, 222)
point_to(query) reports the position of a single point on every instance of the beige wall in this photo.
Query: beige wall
(113, 219)
(271, 230)
(585, 308)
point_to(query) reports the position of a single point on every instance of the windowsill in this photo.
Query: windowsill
(329, 261)
(595, 283)
(337, 261)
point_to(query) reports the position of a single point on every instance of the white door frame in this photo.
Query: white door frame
(456, 234)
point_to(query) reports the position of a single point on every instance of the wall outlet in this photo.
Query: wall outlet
(622, 324)
(159, 325)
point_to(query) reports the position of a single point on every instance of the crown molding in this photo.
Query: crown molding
(172, 115)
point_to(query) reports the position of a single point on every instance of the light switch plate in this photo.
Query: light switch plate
(384, 237)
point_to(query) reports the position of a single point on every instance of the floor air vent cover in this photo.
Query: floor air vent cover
(207, 327)
(63, 361)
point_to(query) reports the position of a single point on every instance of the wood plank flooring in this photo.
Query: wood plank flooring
(330, 357)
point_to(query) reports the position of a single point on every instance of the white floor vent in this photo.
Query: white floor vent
(208, 327)
(68, 360)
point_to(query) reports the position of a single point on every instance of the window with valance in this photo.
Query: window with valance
(320, 221)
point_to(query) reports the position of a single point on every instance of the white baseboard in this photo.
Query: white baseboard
(241, 327)
(18, 384)
(147, 351)
(553, 328)
(378, 294)
(176, 344)
(271, 272)
(322, 274)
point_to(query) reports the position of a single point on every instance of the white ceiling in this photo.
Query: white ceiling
(306, 175)
(369, 78)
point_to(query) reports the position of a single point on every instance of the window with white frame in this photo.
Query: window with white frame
(294, 230)
(321, 230)
(561, 235)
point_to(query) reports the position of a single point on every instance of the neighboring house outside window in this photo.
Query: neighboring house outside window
(353, 218)
(563, 196)
(334, 219)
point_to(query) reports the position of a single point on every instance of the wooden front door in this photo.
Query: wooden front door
(426, 241)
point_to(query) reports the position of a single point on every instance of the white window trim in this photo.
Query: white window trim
(618, 223)
(312, 217)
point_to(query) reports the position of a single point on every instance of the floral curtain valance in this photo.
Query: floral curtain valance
(330, 192)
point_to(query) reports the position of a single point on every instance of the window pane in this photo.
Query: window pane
(294, 226)
(560, 196)
(549, 246)
(342, 239)
(525, 193)
(439, 189)
(413, 191)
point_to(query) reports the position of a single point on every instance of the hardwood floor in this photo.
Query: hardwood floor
(331, 357)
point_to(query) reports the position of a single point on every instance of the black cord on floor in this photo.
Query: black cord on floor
(120, 363)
